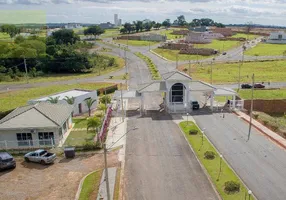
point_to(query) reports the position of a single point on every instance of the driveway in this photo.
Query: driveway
(159, 163)
(30, 181)
(260, 163)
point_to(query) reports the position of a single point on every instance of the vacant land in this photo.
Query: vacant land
(120, 63)
(216, 44)
(263, 49)
(135, 42)
(271, 71)
(263, 94)
(13, 99)
(246, 36)
(169, 34)
(213, 165)
(57, 181)
(110, 33)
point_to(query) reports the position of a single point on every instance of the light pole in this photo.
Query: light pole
(220, 162)
(187, 119)
(249, 194)
(202, 140)
(177, 60)
(251, 108)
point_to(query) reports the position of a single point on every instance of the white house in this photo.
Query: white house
(38, 125)
(277, 38)
(79, 106)
(72, 26)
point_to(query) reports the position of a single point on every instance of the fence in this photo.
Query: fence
(27, 144)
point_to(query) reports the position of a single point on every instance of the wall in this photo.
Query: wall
(198, 51)
(267, 106)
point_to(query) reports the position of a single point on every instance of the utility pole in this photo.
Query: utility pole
(251, 108)
(239, 68)
(122, 102)
(189, 67)
(211, 72)
(149, 46)
(26, 70)
(106, 172)
(177, 60)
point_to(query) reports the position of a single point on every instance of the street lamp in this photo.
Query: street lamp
(220, 162)
(249, 194)
(187, 119)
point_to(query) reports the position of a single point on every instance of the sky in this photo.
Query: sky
(267, 12)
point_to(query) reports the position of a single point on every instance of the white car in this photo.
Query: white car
(40, 156)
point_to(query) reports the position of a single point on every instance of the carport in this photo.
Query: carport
(227, 92)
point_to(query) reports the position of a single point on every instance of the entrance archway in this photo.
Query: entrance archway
(177, 93)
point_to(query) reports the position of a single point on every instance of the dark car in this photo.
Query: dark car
(224, 53)
(259, 85)
(246, 86)
(195, 105)
(6, 161)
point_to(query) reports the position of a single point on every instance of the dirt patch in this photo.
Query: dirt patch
(60, 180)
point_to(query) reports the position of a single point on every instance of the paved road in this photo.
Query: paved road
(160, 165)
(260, 163)
(271, 85)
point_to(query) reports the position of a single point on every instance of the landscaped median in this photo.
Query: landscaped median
(152, 67)
(210, 158)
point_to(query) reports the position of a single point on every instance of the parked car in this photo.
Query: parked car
(224, 53)
(40, 156)
(246, 86)
(195, 105)
(259, 85)
(6, 161)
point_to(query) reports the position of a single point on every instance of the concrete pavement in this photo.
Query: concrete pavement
(260, 163)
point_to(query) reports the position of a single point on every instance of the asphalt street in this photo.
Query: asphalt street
(160, 164)
(260, 163)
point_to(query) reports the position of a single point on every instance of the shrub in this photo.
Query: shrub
(255, 116)
(193, 132)
(275, 128)
(105, 99)
(210, 155)
(265, 122)
(89, 146)
(231, 187)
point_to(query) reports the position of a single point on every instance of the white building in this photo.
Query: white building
(72, 26)
(116, 21)
(277, 38)
(79, 106)
(34, 126)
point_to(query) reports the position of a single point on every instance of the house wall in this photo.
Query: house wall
(197, 38)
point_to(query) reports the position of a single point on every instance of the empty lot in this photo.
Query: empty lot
(30, 181)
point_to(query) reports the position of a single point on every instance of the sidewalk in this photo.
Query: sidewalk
(117, 129)
(272, 135)
(102, 192)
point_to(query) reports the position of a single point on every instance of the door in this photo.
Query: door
(80, 108)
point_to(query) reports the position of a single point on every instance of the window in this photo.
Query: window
(177, 93)
(279, 37)
(46, 138)
(24, 139)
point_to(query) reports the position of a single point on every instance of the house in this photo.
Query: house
(72, 26)
(277, 38)
(197, 38)
(199, 29)
(107, 25)
(41, 124)
(79, 106)
(226, 32)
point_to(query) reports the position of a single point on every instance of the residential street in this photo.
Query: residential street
(260, 163)
(160, 165)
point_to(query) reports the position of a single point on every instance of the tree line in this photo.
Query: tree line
(62, 52)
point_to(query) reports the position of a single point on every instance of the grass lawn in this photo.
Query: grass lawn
(220, 45)
(263, 49)
(270, 71)
(90, 186)
(135, 42)
(212, 166)
(4, 36)
(13, 99)
(172, 55)
(110, 33)
(79, 122)
(246, 36)
(61, 77)
(263, 94)
(117, 185)
(79, 138)
(169, 35)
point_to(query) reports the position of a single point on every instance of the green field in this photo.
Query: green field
(110, 33)
(62, 77)
(220, 45)
(213, 166)
(4, 36)
(263, 94)
(79, 122)
(169, 35)
(246, 36)
(11, 100)
(271, 71)
(263, 49)
(135, 42)
(80, 138)
(90, 186)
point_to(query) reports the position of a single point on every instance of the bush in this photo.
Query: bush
(105, 99)
(255, 116)
(231, 187)
(265, 122)
(193, 132)
(89, 146)
(210, 155)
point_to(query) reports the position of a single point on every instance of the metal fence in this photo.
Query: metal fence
(28, 144)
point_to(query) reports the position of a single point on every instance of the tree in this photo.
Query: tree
(53, 100)
(147, 26)
(138, 25)
(93, 30)
(123, 30)
(219, 25)
(93, 123)
(181, 20)
(105, 99)
(207, 22)
(65, 36)
(89, 102)
(128, 27)
(157, 25)
(248, 27)
(166, 23)
(11, 30)
(101, 107)
(69, 100)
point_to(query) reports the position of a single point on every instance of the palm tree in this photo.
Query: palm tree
(69, 100)
(89, 102)
(53, 100)
(93, 123)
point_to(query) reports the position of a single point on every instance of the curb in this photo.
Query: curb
(161, 56)
(81, 183)
(260, 130)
